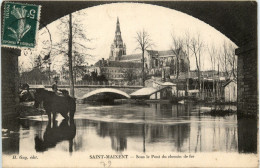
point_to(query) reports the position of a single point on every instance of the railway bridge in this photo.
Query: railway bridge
(86, 91)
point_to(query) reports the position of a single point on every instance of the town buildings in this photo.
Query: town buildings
(230, 91)
(119, 65)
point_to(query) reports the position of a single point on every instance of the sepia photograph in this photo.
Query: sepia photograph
(129, 84)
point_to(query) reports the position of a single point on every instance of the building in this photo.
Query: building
(230, 91)
(162, 64)
(118, 48)
(152, 93)
(116, 71)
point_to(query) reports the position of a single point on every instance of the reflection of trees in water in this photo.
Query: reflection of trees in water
(150, 133)
(198, 140)
(78, 140)
(118, 133)
(118, 143)
(216, 134)
(172, 110)
(176, 134)
(215, 137)
(183, 132)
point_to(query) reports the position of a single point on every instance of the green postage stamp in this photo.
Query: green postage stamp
(20, 25)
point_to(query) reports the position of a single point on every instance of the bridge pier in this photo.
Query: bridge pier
(10, 82)
(247, 80)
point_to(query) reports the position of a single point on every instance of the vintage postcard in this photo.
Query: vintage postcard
(129, 84)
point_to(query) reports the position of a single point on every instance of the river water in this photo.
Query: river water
(128, 127)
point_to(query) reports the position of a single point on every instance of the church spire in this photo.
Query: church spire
(118, 39)
(118, 48)
(118, 26)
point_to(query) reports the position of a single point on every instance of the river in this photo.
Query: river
(128, 127)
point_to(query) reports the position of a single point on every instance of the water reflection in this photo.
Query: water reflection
(247, 135)
(10, 136)
(153, 128)
(54, 134)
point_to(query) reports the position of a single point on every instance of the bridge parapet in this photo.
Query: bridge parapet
(81, 90)
(97, 86)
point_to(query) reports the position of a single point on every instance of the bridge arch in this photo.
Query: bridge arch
(217, 14)
(105, 90)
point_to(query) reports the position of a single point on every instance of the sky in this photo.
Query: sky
(99, 25)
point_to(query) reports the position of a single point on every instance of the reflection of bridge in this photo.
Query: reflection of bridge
(83, 92)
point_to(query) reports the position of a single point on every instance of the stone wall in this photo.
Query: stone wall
(10, 82)
(247, 80)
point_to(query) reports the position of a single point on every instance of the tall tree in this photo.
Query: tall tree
(187, 42)
(78, 65)
(70, 57)
(73, 44)
(225, 58)
(143, 43)
(196, 47)
(232, 59)
(228, 60)
(177, 49)
(213, 54)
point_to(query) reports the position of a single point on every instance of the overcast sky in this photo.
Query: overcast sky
(99, 24)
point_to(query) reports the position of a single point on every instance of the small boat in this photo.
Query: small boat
(181, 102)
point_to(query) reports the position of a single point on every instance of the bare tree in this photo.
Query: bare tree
(196, 47)
(228, 60)
(225, 58)
(78, 61)
(187, 43)
(213, 54)
(70, 57)
(143, 43)
(73, 45)
(232, 59)
(177, 49)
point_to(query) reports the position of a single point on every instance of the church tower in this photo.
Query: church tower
(118, 48)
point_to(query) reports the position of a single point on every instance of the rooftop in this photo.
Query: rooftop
(123, 64)
(147, 91)
(144, 92)
(131, 57)
(154, 53)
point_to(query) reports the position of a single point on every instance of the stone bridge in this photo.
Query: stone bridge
(89, 90)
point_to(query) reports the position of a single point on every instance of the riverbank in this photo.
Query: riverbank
(27, 109)
(220, 112)
(174, 101)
